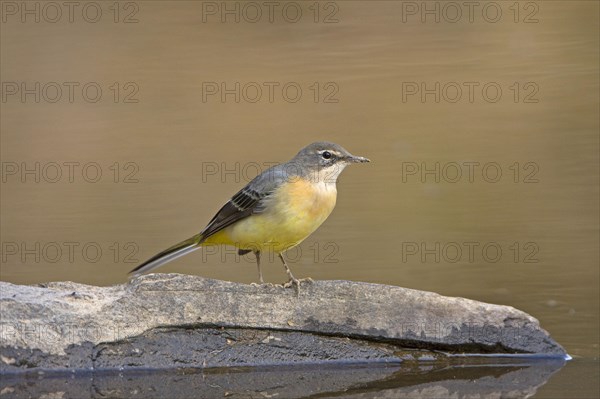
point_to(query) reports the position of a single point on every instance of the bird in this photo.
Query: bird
(275, 211)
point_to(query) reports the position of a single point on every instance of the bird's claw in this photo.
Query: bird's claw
(297, 282)
(291, 283)
(262, 284)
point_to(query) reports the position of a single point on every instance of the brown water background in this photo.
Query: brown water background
(170, 152)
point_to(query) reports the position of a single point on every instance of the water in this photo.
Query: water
(170, 160)
(512, 379)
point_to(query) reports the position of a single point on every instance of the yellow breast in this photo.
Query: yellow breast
(294, 211)
(307, 203)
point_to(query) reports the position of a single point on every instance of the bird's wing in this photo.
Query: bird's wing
(248, 201)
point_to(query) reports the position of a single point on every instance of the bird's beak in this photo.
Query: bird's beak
(355, 159)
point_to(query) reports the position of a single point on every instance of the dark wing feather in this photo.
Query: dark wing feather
(246, 202)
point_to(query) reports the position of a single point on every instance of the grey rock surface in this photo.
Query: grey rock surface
(171, 320)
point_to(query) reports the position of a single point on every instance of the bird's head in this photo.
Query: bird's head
(324, 160)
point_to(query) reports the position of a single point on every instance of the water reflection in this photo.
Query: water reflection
(506, 379)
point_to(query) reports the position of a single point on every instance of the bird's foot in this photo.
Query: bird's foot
(262, 284)
(292, 281)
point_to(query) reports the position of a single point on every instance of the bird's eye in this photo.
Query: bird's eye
(326, 155)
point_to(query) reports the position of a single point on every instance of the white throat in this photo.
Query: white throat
(327, 177)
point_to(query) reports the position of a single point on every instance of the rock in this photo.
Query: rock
(171, 320)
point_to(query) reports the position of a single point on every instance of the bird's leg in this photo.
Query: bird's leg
(293, 280)
(260, 276)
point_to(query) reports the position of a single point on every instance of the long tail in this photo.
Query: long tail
(176, 251)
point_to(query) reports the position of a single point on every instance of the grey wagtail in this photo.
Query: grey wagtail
(276, 211)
